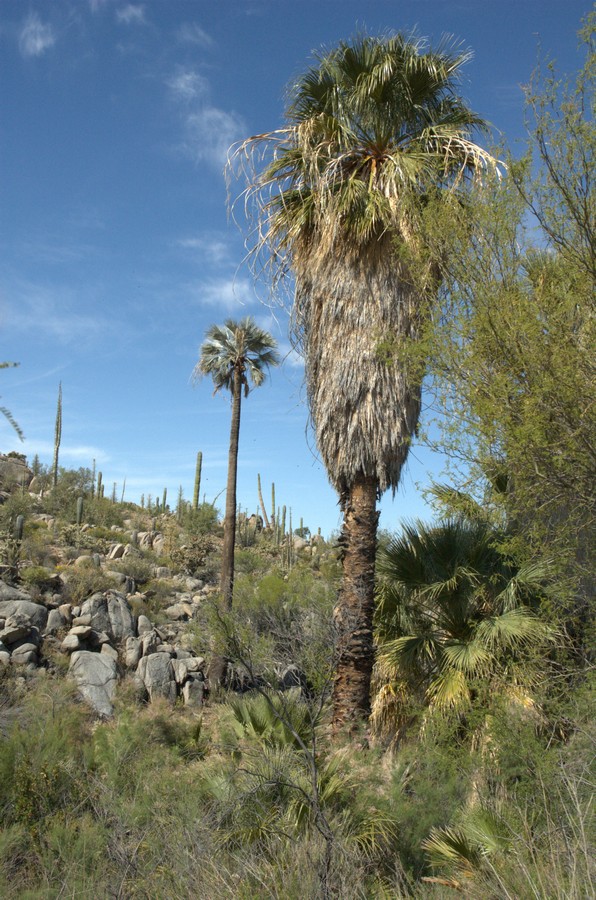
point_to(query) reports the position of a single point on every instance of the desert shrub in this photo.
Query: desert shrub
(36, 576)
(82, 581)
(202, 520)
(430, 779)
(250, 561)
(191, 557)
(39, 544)
(37, 758)
(135, 566)
(159, 592)
(106, 535)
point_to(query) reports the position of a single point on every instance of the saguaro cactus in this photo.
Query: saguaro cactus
(165, 496)
(18, 528)
(57, 436)
(273, 519)
(79, 511)
(199, 466)
(262, 504)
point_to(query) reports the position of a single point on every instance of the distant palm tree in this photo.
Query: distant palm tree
(234, 354)
(374, 130)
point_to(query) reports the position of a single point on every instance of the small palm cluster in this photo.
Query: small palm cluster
(456, 616)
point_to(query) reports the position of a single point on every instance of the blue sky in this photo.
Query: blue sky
(117, 249)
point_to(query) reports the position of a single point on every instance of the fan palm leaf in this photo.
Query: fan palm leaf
(453, 609)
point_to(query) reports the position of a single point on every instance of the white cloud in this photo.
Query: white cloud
(210, 134)
(131, 14)
(26, 304)
(212, 249)
(191, 33)
(210, 131)
(231, 295)
(97, 4)
(35, 37)
(187, 85)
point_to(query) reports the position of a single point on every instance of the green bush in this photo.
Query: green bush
(135, 566)
(36, 576)
(82, 581)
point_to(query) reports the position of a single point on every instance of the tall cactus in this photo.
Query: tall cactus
(165, 497)
(79, 511)
(273, 519)
(93, 480)
(197, 491)
(18, 528)
(262, 504)
(57, 436)
(123, 489)
(99, 486)
(290, 542)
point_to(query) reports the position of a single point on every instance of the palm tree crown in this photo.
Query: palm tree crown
(240, 347)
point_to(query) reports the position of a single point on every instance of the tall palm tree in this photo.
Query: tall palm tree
(235, 354)
(374, 129)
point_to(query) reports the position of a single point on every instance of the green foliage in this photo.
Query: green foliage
(200, 520)
(135, 566)
(82, 581)
(191, 557)
(36, 576)
(512, 353)
(457, 619)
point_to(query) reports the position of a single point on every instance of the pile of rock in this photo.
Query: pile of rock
(105, 641)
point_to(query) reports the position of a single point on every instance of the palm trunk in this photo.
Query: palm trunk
(355, 607)
(226, 584)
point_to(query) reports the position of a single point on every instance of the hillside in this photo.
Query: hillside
(154, 746)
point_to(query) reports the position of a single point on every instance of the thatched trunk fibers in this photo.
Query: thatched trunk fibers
(349, 302)
(226, 584)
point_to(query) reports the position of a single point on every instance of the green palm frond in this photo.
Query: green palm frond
(282, 721)
(236, 345)
(411, 650)
(513, 629)
(450, 689)
(529, 579)
(462, 850)
(372, 120)
(471, 657)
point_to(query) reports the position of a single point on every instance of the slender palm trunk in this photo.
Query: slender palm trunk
(355, 607)
(226, 584)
